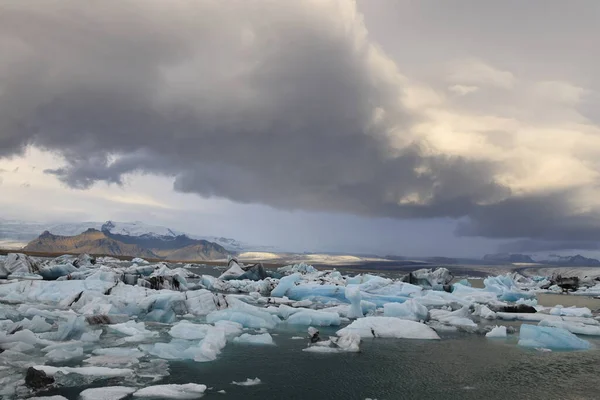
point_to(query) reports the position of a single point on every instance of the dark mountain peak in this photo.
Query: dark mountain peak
(107, 226)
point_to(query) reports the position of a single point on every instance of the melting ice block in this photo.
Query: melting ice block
(285, 284)
(107, 393)
(247, 382)
(388, 327)
(497, 332)
(550, 338)
(410, 309)
(187, 391)
(314, 317)
(263, 339)
(245, 314)
(354, 297)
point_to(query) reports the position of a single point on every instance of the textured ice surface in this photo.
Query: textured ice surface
(410, 309)
(571, 311)
(285, 284)
(247, 315)
(550, 338)
(578, 328)
(90, 371)
(107, 393)
(460, 318)
(186, 391)
(497, 332)
(354, 297)
(262, 339)
(388, 327)
(314, 317)
(247, 382)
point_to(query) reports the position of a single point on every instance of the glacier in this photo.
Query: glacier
(80, 321)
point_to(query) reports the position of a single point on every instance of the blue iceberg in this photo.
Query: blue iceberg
(550, 338)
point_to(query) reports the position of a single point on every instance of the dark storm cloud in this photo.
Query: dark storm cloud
(280, 103)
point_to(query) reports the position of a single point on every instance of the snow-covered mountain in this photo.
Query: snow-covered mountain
(15, 231)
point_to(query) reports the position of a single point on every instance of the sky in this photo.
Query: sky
(388, 127)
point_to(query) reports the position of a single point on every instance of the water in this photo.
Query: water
(460, 366)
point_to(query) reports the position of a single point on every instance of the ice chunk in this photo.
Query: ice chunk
(136, 331)
(139, 260)
(410, 309)
(48, 398)
(505, 288)
(317, 293)
(234, 271)
(388, 327)
(349, 342)
(187, 330)
(65, 353)
(17, 263)
(186, 391)
(263, 338)
(87, 371)
(550, 338)
(484, 312)
(497, 332)
(107, 393)
(354, 297)
(201, 302)
(314, 317)
(303, 268)
(248, 382)
(571, 311)
(578, 328)
(428, 278)
(245, 314)
(285, 284)
(459, 318)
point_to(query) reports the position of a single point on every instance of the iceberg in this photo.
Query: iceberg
(285, 284)
(388, 327)
(248, 382)
(354, 297)
(302, 268)
(497, 332)
(410, 309)
(186, 391)
(107, 393)
(571, 311)
(314, 317)
(262, 339)
(87, 371)
(247, 315)
(578, 328)
(550, 338)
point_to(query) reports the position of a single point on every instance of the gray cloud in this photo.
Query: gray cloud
(533, 246)
(287, 105)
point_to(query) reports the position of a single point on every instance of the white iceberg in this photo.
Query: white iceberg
(497, 332)
(107, 393)
(314, 317)
(388, 327)
(248, 382)
(410, 309)
(186, 391)
(354, 297)
(261, 339)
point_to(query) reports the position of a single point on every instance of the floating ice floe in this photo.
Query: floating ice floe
(497, 332)
(248, 382)
(261, 339)
(107, 393)
(186, 391)
(550, 338)
(410, 309)
(388, 327)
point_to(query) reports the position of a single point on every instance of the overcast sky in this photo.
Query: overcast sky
(405, 127)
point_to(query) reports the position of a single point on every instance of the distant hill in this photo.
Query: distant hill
(553, 259)
(509, 258)
(93, 241)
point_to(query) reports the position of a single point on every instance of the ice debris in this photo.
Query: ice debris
(248, 382)
(497, 332)
(107, 393)
(262, 339)
(388, 327)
